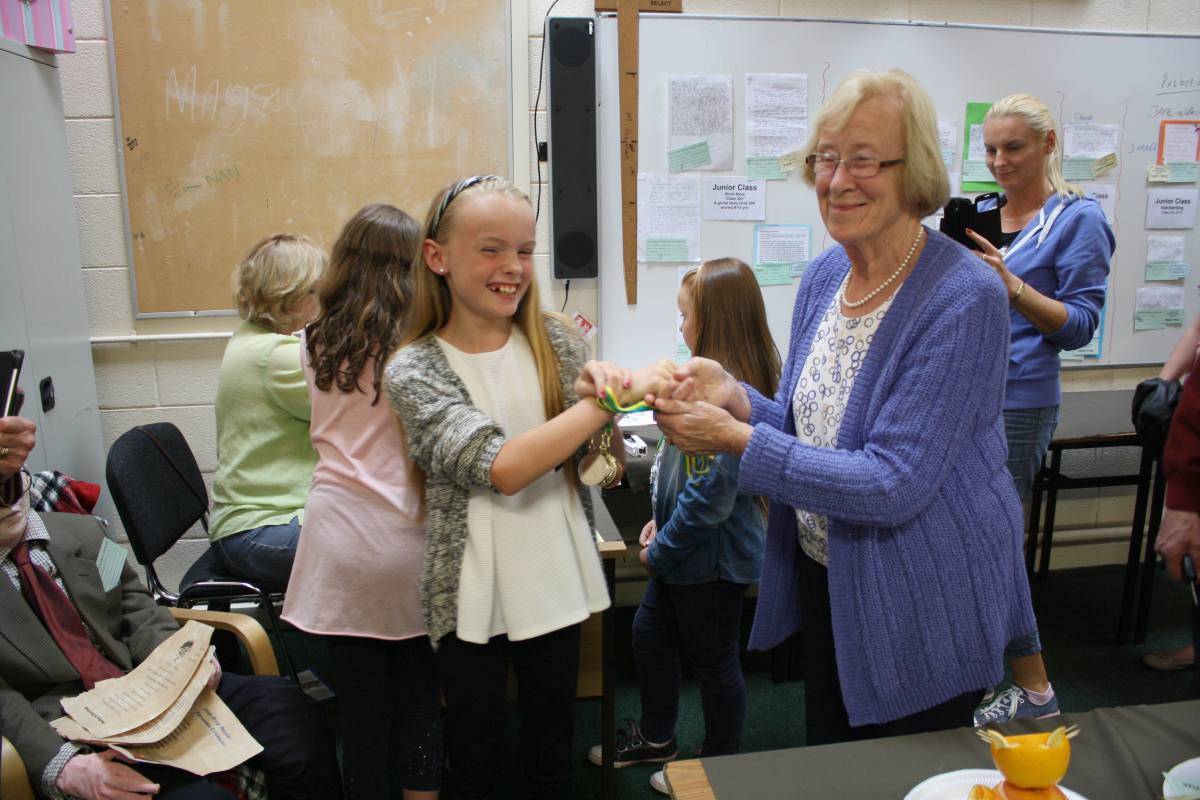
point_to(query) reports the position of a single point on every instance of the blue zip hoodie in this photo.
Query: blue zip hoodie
(707, 529)
(1063, 253)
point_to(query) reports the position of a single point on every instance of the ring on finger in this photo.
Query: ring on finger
(4, 451)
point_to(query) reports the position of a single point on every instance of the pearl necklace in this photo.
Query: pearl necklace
(888, 282)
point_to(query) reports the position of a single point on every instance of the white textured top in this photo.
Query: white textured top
(838, 350)
(530, 565)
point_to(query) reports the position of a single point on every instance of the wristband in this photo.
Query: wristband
(610, 403)
(1017, 296)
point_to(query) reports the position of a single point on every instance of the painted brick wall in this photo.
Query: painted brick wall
(177, 381)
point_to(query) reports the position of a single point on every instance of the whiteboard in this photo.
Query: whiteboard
(1083, 77)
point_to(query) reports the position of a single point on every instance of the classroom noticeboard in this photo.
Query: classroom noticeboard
(240, 120)
(1130, 81)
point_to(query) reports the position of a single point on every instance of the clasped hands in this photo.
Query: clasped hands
(699, 406)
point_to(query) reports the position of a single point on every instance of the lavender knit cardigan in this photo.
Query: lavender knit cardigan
(926, 578)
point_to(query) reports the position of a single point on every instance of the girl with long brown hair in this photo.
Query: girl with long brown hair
(364, 523)
(704, 544)
(486, 387)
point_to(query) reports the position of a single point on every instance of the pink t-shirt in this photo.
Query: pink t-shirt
(358, 567)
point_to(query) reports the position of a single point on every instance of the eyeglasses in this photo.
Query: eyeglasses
(859, 166)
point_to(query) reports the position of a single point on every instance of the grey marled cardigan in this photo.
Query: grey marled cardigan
(455, 444)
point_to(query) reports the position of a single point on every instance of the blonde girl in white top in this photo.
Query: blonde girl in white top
(486, 389)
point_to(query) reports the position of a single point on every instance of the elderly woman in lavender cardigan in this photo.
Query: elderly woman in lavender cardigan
(894, 534)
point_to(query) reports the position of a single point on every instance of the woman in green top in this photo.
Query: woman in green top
(264, 457)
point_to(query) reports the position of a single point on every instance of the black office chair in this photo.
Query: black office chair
(159, 494)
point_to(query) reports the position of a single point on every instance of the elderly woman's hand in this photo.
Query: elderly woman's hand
(703, 379)
(700, 427)
(995, 259)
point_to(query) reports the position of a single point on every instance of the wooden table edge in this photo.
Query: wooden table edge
(688, 781)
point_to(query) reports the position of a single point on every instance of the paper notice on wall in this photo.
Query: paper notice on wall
(782, 244)
(734, 199)
(1171, 208)
(1090, 141)
(1158, 306)
(947, 140)
(668, 213)
(1164, 258)
(1178, 140)
(975, 175)
(776, 113)
(701, 108)
(1105, 194)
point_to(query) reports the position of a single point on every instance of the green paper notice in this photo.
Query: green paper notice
(1077, 169)
(975, 174)
(666, 250)
(773, 274)
(766, 168)
(1154, 319)
(690, 156)
(1182, 171)
(1166, 271)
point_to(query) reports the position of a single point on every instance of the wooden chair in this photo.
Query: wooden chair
(14, 779)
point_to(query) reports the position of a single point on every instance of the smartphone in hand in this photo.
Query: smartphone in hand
(10, 375)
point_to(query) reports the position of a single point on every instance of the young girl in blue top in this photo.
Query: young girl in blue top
(1054, 262)
(704, 545)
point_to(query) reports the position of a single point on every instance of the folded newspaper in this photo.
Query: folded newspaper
(162, 711)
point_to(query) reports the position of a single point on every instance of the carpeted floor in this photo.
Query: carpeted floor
(1077, 614)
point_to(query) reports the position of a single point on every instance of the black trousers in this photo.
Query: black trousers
(391, 715)
(298, 756)
(474, 678)
(825, 715)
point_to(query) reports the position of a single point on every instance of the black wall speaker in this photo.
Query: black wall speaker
(572, 103)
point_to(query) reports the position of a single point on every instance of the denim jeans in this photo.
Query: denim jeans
(702, 620)
(1028, 431)
(263, 554)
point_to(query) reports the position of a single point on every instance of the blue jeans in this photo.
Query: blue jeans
(261, 555)
(703, 621)
(1028, 431)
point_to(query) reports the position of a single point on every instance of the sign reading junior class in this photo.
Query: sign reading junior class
(735, 198)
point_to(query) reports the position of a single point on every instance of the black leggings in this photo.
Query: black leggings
(474, 677)
(391, 719)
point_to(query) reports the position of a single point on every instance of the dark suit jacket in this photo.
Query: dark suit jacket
(34, 674)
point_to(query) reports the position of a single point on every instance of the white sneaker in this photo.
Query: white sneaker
(658, 782)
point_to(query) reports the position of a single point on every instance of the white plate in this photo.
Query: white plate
(957, 785)
(1186, 774)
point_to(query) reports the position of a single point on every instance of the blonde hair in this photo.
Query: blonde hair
(923, 181)
(1034, 113)
(432, 300)
(277, 273)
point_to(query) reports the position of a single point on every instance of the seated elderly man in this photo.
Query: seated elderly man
(61, 632)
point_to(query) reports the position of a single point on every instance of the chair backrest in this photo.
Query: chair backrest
(156, 487)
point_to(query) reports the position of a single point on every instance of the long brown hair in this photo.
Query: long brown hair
(365, 297)
(731, 322)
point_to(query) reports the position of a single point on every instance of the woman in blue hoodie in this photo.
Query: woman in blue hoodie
(1054, 261)
(704, 545)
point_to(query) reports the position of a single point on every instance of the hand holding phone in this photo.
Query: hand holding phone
(10, 375)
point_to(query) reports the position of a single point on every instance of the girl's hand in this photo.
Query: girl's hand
(699, 427)
(644, 557)
(649, 531)
(995, 259)
(649, 380)
(598, 374)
